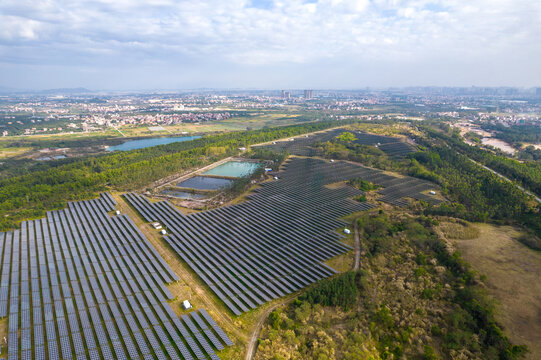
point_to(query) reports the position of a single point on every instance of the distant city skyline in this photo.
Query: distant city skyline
(266, 44)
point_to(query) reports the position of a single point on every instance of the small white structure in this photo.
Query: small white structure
(332, 160)
(163, 232)
(156, 225)
(242, 148)
(432, 193)
(276, 178)
(186, 305)
(347, 231)
(268, 169)
(274, 143)
(117, 212)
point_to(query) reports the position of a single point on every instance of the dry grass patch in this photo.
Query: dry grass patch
(336, 185)
(459, 230)
(345, 262)
(512, 271)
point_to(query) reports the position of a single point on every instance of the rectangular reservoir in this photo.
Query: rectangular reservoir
(234, 169)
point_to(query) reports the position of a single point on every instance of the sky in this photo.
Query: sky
(268, 44)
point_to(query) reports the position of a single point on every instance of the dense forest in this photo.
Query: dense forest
(412, 299)
(527, 173)
(30, 195)
(477, 194)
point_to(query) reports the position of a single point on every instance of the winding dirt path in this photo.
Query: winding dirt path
(250, 350)
(357, 245)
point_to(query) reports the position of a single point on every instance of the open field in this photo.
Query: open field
(8, 152)
(512, 271)
(233, 124)
(109, 133)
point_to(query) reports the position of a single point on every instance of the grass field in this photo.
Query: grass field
(109, 133)
(233, 124)
(512, 271)
(12, 151)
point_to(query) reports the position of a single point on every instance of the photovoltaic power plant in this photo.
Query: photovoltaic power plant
(267, 247)
(303, 146)
(81, 284)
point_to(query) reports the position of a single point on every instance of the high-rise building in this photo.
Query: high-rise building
(308, 94)
(285, 94)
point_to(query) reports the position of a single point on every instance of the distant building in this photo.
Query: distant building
(308, 94)
(285, 94)
(538, 91)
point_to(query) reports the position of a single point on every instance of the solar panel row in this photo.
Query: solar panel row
(81, 284)
(275, 243)
(270, 246)
(303, 146)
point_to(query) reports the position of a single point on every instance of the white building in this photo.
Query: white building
(186, 305)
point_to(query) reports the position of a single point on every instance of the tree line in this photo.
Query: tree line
(29, 195)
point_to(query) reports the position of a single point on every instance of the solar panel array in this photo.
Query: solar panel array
(271, 245)
(302, 146)
(396, 189)
(80, 284)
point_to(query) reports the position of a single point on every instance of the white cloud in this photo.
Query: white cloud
(16, 28)
(237, 33)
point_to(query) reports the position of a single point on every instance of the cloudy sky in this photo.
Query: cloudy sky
(268, 44)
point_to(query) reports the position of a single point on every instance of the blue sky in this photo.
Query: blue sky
(268, 44)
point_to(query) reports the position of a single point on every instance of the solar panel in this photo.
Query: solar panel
(50, 330)
(65, 346)
(52, 348)
(39, 352)
(80, 268)
(140, 341)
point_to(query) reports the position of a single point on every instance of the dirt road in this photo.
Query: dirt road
(357, 245)
(250, 351)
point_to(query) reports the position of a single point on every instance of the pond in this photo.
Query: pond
(144, 143)
(234, 169)
(205, 183)
(183, 194)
